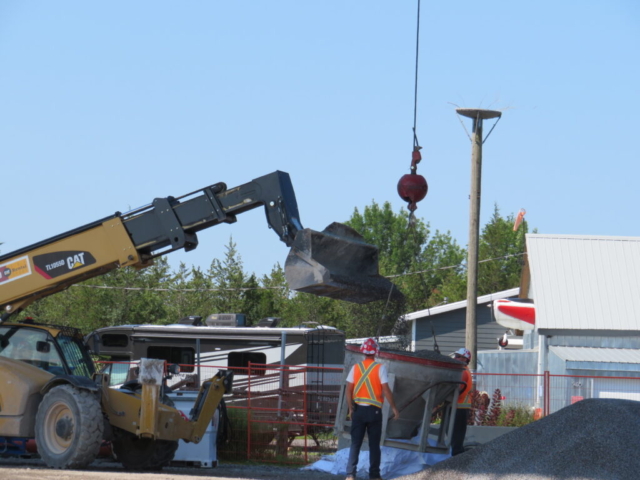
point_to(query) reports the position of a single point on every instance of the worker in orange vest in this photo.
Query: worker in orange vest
(464, 404)
(367, 388)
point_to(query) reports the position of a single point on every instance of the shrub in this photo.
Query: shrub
(515, 416)
(489, 411)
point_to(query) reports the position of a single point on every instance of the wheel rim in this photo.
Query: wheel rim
(59, 427)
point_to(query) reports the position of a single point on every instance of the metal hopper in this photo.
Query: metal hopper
(420, 382)
(337, 263)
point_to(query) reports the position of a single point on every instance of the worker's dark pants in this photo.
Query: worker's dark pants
(367, 419)
(459, 431)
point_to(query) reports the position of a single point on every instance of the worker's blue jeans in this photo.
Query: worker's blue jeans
(459, 431)
(367, 419)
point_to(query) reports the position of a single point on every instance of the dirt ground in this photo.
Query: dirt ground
(30, 469)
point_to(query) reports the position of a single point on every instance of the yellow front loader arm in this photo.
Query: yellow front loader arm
(145, 416)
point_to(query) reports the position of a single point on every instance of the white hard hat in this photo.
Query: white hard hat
(463, 352)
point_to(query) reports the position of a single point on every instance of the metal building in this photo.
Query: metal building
(586, 291)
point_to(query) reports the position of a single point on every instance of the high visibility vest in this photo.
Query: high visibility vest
(368, 389)
(464, 399)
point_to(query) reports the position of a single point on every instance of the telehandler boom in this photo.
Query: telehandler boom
(336, 263)
(49, 389)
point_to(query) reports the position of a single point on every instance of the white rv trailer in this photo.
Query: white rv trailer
(222, 342)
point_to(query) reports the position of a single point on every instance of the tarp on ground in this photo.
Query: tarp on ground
(394, 462)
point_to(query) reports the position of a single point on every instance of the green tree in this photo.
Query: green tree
(274, 295)
(192, 293)
(502, 248)
(230, 280)
(417, 260)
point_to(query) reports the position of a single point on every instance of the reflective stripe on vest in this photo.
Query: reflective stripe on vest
(364, 391)
(464, 399)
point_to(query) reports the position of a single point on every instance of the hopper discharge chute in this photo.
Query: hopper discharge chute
(337, 263)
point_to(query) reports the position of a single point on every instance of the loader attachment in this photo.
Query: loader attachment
(337, 263)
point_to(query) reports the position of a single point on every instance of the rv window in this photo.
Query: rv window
(242, 360)
(114, 340)
(180, 355)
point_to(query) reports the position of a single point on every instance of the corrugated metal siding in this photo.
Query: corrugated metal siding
(508, 361)
(623, 362)
(516, 390)
(591, 341)
(597, 355)
(555, 364)
(585, 282)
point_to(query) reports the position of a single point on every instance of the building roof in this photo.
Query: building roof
(597, 354)
(585, 282)
(461, 304)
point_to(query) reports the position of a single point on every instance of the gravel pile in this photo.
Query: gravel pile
(593, 439)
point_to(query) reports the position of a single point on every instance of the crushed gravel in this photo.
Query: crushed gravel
(594, 439)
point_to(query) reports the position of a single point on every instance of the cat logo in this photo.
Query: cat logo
(76, 261)
(52, 265)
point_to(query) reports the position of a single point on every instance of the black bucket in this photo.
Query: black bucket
(337, 263)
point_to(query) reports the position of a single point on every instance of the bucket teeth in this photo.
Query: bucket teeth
(339, 264)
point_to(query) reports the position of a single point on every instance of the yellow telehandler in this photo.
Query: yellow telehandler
(49, 388)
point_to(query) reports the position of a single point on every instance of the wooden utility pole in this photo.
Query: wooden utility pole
(477, 116)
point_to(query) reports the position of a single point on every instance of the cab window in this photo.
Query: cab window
(32, 346)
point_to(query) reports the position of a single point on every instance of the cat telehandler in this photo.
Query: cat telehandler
(49, 388)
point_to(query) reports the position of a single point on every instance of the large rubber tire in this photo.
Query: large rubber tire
(137, 453)
(69, 427)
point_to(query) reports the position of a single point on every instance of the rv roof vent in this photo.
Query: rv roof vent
(226, 320)
(269, 322)
(194, 320)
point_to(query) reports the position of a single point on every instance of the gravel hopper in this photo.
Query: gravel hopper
(422, 383)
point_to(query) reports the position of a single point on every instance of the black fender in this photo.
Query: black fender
(83, 383)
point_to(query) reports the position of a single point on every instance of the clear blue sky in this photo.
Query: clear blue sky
(107, 105)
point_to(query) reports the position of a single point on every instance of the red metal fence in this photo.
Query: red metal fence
(286, 414)
(282, 414)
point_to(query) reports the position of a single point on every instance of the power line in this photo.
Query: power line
(454, 266)
(179, 290)
(283, 287)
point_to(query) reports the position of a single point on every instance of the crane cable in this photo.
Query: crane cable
(416, 150)
(416, 144)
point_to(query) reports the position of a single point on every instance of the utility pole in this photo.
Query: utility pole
(478, 116)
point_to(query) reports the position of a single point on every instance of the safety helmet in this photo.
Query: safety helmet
(370, 347)
(463, 352)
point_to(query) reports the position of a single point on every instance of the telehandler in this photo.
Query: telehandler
(49, 388)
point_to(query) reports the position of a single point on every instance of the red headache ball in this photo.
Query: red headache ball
(412, 188)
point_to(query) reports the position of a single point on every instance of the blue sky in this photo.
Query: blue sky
(107, 105)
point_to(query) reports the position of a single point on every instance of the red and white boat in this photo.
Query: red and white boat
(515, 314)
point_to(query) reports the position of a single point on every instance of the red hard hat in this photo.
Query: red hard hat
(369, 347)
